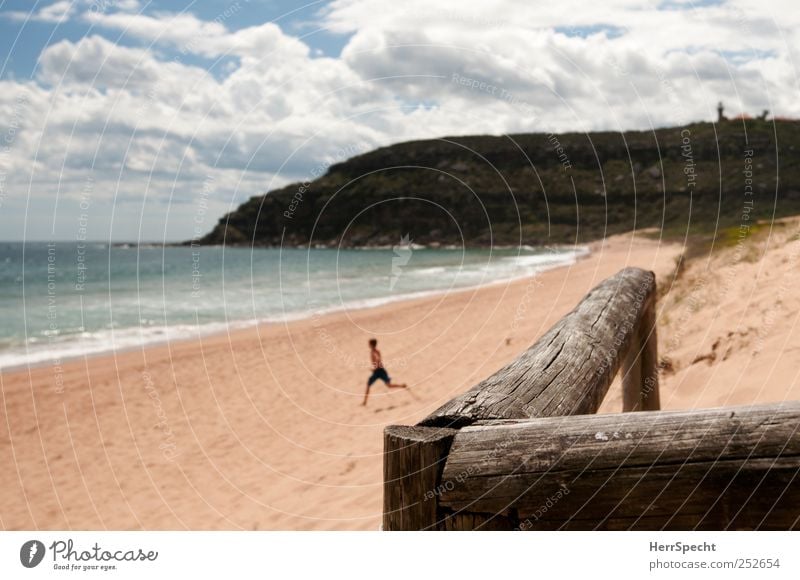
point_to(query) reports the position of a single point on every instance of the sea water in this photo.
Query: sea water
(64, 299)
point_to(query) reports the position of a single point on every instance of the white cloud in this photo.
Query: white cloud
(190, 35)
(548, 57)
(57, 12)
(61, 11)
(148, 120)
(126, 5)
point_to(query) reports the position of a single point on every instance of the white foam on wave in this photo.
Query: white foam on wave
(509, 268)
(40, 351)
(56, 349)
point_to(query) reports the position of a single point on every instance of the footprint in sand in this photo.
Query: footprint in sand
(348, 468)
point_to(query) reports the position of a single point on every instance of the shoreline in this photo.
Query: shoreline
(262, 428)
(205, 330)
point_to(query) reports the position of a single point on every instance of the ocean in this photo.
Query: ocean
(63, 300)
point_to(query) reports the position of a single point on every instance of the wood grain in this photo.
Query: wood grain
(714, 468)
(412, 465)
(569, 369)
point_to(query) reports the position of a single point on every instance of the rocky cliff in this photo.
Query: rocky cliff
(534, 188)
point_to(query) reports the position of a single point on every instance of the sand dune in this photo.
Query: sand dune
(263, 428)
(744, 345)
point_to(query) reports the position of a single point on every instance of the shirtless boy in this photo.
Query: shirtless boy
(378, 371)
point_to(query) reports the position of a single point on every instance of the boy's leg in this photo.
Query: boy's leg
(387, 379)
(366, 393)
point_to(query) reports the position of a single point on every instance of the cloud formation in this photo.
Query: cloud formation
(149, 107)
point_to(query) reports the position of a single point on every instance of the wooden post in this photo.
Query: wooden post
(651, 399)
(632, 379)
(413, 461)
(569, 369)
(640, 364)
(503, 455)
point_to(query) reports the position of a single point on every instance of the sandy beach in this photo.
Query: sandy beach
(263, 428)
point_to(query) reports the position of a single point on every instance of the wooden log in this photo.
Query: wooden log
(631, 371)
(735, 467)
(412, 464)
(640, 365)
(651, 398)
(754, 494)
(470, 521)
(569, 369)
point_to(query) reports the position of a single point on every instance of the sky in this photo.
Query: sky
(126, 120)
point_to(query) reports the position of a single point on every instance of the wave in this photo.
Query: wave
(57, 349)
(77, 343)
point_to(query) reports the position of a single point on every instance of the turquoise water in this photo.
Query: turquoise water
(63, 300)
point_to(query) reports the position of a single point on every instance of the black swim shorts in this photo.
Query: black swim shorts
(378, 374)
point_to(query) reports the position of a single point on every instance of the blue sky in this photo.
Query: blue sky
(22, 41)
(138, 117)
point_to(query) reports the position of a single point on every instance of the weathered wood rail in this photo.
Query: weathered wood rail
(523, 449)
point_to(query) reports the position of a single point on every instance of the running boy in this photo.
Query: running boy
(378, 372)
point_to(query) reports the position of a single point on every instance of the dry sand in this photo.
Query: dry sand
(263, 428)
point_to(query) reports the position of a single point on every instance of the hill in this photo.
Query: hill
(535, 189)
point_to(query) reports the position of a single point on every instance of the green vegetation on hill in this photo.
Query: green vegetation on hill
(535, 189)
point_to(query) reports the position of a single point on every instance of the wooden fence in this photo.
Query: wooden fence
(523, 449)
